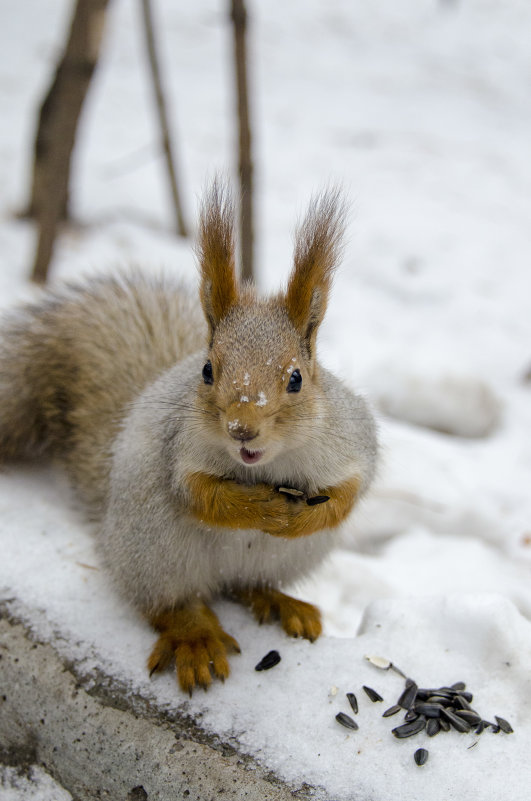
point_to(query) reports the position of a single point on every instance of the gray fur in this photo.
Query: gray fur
(106, 377)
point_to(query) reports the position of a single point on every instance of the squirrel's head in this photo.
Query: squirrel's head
(260, 381)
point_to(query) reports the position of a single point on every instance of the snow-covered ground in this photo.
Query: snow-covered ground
(422, 110)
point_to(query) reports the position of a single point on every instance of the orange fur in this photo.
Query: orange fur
(317, 251)
(223, 502)
(297, 618)
(215, 250)
(193, 636)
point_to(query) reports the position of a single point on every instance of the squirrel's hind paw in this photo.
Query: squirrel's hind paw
(194, 638)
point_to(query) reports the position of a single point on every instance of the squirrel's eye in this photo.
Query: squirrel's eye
(208, 375)
(295, 381)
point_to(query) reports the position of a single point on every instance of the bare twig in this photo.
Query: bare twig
(163, 116)
(245, 165)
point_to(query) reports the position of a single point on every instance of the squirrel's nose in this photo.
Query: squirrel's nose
(241, 432)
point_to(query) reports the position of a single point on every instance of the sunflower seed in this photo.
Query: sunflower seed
(469, 716)
(435, 699)
(346, 721)
(433, 727)
(459, 685)
(457, 722)
(443, 723)
(407, 699)
(410, 714)
(373, 695)
(408, 729)
(461, 702)
(452, 692)
(421, 756)
(482, 726)
(495, 729)
(317, 499)
(353, 701)
(504, 724)
(430, 710)
(268, 661)
(391, 711)
(441, 694)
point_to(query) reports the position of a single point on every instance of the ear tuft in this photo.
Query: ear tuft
(318, 248)
(215, 253)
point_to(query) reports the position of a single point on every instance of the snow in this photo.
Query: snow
(421, 111)
(36, 785)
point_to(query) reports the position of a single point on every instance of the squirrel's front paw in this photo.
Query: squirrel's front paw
(194, 638)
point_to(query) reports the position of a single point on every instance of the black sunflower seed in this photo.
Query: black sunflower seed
(433, 727)
(461, 703)
(373, 695)
(495, 729)
(408, 729)
(391, 711)
(353, 701)
(452, 692)
(346, 721)
(504, 724)
(459, 685)
(469, 716)
(435, 699)
(410, 714)
(407, 699)
(482, 726)
(317, 499)
(445, 726)
(268, 661)
(421, 756)
(430, 710)
(457, 722)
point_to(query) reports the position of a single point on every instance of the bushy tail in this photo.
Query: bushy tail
(26, 386)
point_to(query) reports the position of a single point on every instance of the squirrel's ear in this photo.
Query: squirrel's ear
(318, 245)
(215, 253)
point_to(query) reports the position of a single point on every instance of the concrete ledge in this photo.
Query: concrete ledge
(101, 741)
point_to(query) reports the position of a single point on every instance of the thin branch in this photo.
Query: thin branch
(163, 116)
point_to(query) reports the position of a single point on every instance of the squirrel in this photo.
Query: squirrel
(216, 454)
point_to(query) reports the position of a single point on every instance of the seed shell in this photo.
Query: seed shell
(317, 499)
(268, 661)
(407, 699)
(469, 716)
(353, 701)
(346, 721)
(379, 662)
(421, 756)
(461, 702)
(430, 710)
(391, 711)
(504, 725)
(291, 491)
(433, 727)
(409, 729)
(373, 695)
(457, 722)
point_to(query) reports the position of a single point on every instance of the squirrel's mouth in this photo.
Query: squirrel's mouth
(250, 457)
